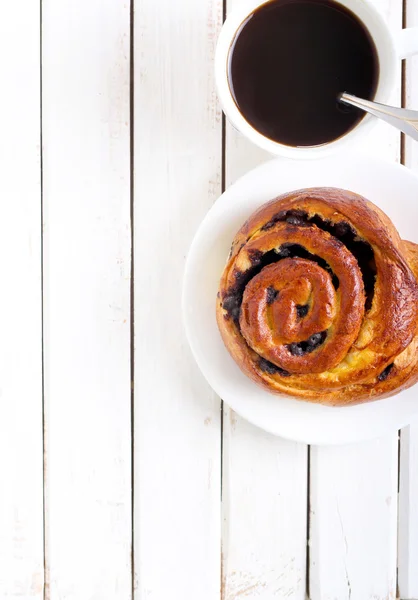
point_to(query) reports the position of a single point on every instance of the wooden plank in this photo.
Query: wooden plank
(408, 514)
(408, 492)
(353, 521)
(241, 155)
(264, 481)
(353, 516)
(264, 513)
(86, 135)
(21, 451)
(178, 142)
(264, 478)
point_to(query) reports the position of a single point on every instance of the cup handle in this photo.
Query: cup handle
(407, 42)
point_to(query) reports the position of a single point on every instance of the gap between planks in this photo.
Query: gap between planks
(46, 594)
(132, 283)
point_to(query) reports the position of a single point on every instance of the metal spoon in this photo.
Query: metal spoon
(401, 118)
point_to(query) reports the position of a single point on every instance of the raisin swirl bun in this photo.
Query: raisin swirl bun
(319, 299)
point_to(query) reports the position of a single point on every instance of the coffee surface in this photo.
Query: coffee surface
(290, 61)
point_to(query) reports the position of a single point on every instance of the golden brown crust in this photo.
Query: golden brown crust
(319, 299)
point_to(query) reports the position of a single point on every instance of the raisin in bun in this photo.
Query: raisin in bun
(319, 299)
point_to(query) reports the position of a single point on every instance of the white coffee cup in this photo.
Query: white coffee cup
(390, 50)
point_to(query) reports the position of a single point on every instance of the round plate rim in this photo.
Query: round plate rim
(254, 416)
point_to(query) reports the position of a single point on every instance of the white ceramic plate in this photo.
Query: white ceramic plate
(392, 187)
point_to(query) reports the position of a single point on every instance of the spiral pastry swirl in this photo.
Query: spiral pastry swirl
(319, 299)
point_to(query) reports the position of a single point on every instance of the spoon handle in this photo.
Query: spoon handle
(401, 118)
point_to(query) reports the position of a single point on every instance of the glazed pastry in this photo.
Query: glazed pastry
(319, 299)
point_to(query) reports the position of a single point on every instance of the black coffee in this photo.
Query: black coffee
(290, 61)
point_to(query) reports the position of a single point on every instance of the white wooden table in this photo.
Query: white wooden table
(121, 478)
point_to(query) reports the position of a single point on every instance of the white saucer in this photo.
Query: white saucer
(392, 187)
